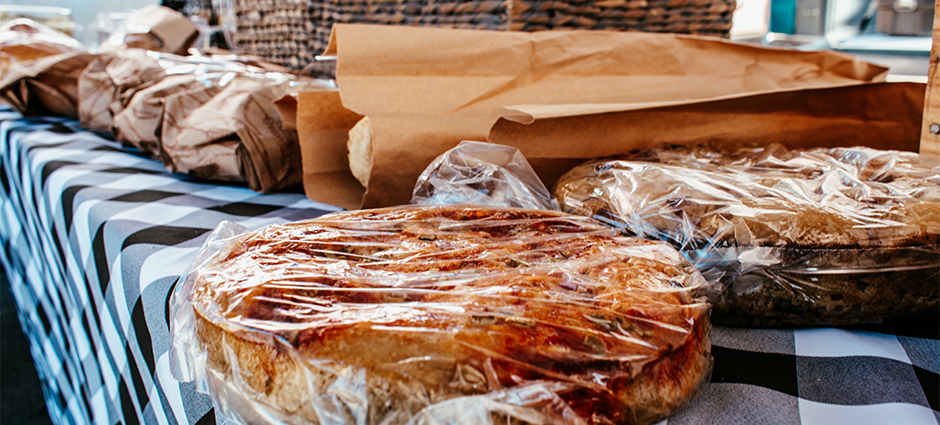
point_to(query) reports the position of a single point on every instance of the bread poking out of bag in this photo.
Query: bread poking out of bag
(360, 150)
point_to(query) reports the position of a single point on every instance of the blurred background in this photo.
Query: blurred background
(83, 18)
(896, 33)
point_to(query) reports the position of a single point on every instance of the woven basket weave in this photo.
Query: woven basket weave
(292, 32)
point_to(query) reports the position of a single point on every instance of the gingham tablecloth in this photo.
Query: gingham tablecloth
(95, 237)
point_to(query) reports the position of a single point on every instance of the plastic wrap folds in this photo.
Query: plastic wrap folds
(451, 314)
(482, 174)
(811, 237)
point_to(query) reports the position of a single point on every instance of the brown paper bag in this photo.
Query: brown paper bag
(140, 123)
(140, 80)
(232, 131)
(287, 109)
(154, 27)
(45, 86)
(108, 84)
(424, 95)
(198, 145)
(323, 123)
(878, 115)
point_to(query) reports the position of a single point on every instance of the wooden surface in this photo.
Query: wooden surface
(930, 131)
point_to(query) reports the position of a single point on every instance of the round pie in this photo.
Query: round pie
(449, 314)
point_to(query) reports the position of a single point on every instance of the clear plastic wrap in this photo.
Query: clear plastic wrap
(482, 174)
(441, 315)
(807, 237)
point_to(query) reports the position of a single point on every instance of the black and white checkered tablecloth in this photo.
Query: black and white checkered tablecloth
(95, 237)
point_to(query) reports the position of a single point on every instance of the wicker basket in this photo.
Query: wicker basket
(293, 32)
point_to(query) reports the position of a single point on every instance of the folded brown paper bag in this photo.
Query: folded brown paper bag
(45, 86)
(878, 115)
(140, 123)
(287, 105)
(427, 89)
(108, 84)
(123, 92)
(287, 109)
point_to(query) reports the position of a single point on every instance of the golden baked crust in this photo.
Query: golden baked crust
(415, 310)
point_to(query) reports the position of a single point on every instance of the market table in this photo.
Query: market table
(95, 237)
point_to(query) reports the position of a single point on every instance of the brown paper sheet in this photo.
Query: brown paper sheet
(424, 96)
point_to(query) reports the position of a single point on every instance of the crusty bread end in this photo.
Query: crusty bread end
(360, 151)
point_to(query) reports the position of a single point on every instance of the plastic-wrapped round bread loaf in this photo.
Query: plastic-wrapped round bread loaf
(445, 315)
(800, 237)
